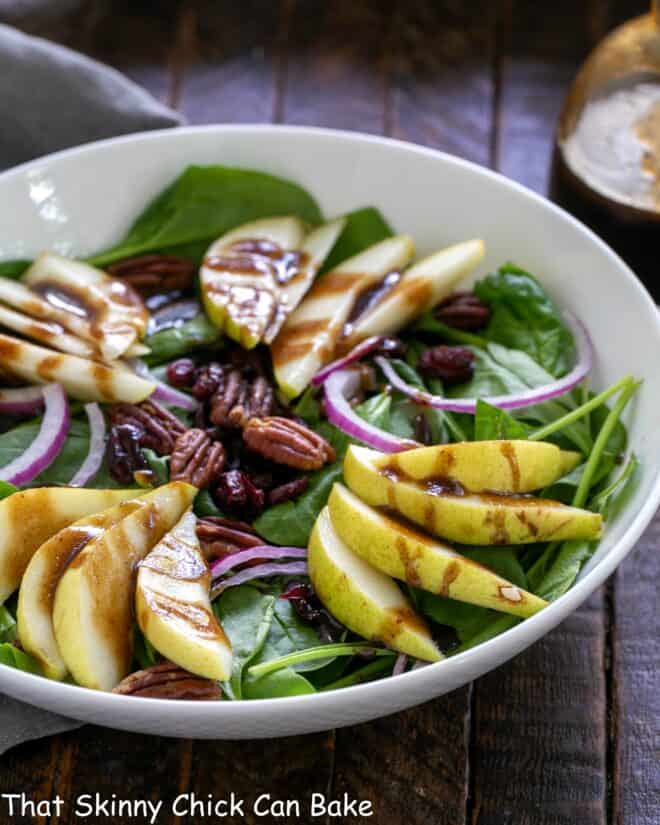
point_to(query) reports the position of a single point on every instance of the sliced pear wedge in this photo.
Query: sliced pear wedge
(468, 519)
(241, 274)
(315, 249)
(82, 379)
(363, 598)
(92, 612)
(35, 598)
(397, 548)
(481, 466)
(46, 332)
(100, 309)
(420, 288)
(309, 336)
(31, 517)
(173, 608)
(253, 277)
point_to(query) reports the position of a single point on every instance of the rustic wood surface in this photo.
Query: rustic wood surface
(567, 732)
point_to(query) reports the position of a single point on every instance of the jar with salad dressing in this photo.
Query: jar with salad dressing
(606, 166)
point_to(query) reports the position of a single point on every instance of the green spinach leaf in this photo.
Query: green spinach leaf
(491, 423)
(13, 269)
(363, 228)
(203, 203)
(285, 682)
(523, 317)
(171, 343)
(13, 657)
(246, 614)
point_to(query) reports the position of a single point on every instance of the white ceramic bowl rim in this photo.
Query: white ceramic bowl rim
(516, 636)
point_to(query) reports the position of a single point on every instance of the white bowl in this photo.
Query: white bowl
(83, 199)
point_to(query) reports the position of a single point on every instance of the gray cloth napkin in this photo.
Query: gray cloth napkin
(52, 98)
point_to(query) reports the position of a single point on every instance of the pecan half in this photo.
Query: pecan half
(160, 427)
(238, 399)
(453, 365)
(155, 273)
(220, 536)
(196, 459)
(287, 442)
(168, 681)
(463, 310)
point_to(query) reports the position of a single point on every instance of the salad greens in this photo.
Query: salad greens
(524, 345)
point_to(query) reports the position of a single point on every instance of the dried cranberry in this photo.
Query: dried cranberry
(181, 373)
(453, 365)
(236, 493)
(207, 381)
(309, 608)
(124, 454)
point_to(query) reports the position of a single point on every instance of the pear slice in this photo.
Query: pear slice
(31, 517)
(481, 466)
(35, 598)
(173, 608)
(82, 379)
(365, 600)
(92, 613)
(46, 332)
(98, 308)
(309, 336)
(421, 287)
(398, 549)
(469, 519)
(241, 274)
(315, 249)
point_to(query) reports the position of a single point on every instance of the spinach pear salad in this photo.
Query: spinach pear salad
(251, 452)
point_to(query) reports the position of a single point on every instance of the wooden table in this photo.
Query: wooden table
(566, 732)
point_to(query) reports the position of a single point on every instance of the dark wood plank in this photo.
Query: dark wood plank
(31, 769)
(130, 766)
(412, 766)
(636, 688)
(443, 84)
(289, 768)
(229, 54)
(337, 64)
(540, 743)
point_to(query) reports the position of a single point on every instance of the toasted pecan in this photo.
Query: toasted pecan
(160, 427)
(288, 442)
(154, 273)
(238, 399)
(196, 459)
(168, 681)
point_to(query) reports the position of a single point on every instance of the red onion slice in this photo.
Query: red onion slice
(92, 463)
(163, 392)
(400, 664)
(535, 395)
(21, 401)
(261, 571)
(338, 388)
(49, 441)
(362, 349)
(262, 551)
